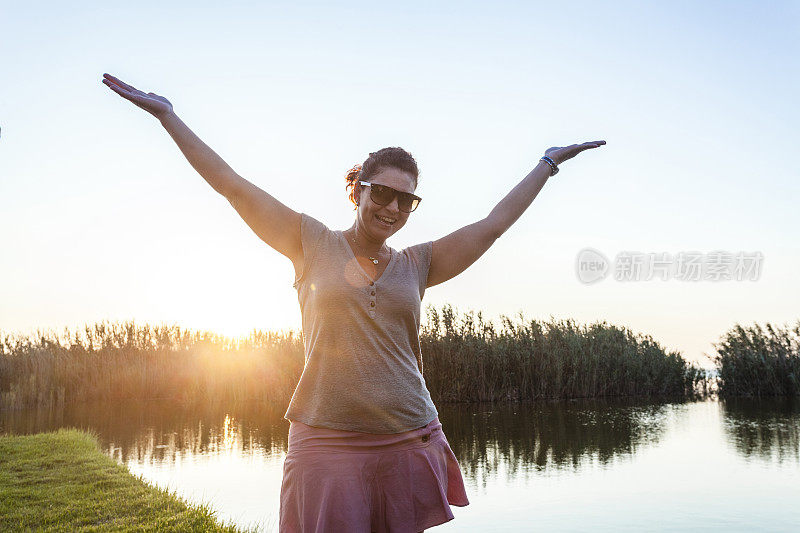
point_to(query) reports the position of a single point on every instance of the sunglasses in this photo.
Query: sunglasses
(383, 195)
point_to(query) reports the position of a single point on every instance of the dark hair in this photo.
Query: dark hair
(394, 157)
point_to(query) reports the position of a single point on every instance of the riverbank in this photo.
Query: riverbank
(61, 481)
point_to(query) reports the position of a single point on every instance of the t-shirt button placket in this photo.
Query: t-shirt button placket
(372, 301)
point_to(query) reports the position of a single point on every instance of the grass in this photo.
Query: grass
(61, 481)
(465, 360)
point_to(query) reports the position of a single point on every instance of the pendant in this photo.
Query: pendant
(375, 261)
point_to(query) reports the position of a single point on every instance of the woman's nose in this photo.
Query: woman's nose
(393, 206)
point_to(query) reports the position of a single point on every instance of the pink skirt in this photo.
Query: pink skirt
(336, 480)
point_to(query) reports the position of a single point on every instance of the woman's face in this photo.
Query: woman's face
(368, 211)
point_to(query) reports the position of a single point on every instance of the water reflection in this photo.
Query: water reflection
(553, 435)
(155, 431)
(768, 428)
(523, 437)
(528, 437)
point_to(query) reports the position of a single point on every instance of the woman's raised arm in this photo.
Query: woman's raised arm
(454, 253)
(273, 222)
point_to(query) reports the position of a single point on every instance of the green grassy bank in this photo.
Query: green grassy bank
(464, 358)
(61, 481)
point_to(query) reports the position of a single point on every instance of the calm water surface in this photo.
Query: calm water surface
(600, 465)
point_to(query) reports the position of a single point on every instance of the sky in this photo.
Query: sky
(104, 219)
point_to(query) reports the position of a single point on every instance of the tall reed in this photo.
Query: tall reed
(759, 361)
(468, 359)
(465, 360)
(126, 360)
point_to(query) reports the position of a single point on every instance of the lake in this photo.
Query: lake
(600, 465)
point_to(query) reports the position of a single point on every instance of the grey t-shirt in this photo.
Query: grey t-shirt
(362, 349)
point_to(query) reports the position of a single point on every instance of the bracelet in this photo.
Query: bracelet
(553, 166)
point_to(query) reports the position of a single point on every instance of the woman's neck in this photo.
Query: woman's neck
(363, 242)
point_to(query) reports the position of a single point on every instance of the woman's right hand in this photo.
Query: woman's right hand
(156, 105)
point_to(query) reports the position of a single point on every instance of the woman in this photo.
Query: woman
(366, 448)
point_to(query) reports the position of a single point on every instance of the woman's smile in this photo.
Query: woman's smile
(386, 222)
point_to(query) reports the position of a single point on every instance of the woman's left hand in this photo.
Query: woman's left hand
(559, 154)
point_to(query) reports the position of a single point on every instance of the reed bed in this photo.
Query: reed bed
(758, 361)
(465, 360)
(468, 359)
(110, 361)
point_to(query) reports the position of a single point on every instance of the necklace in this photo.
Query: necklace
(373, 259)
